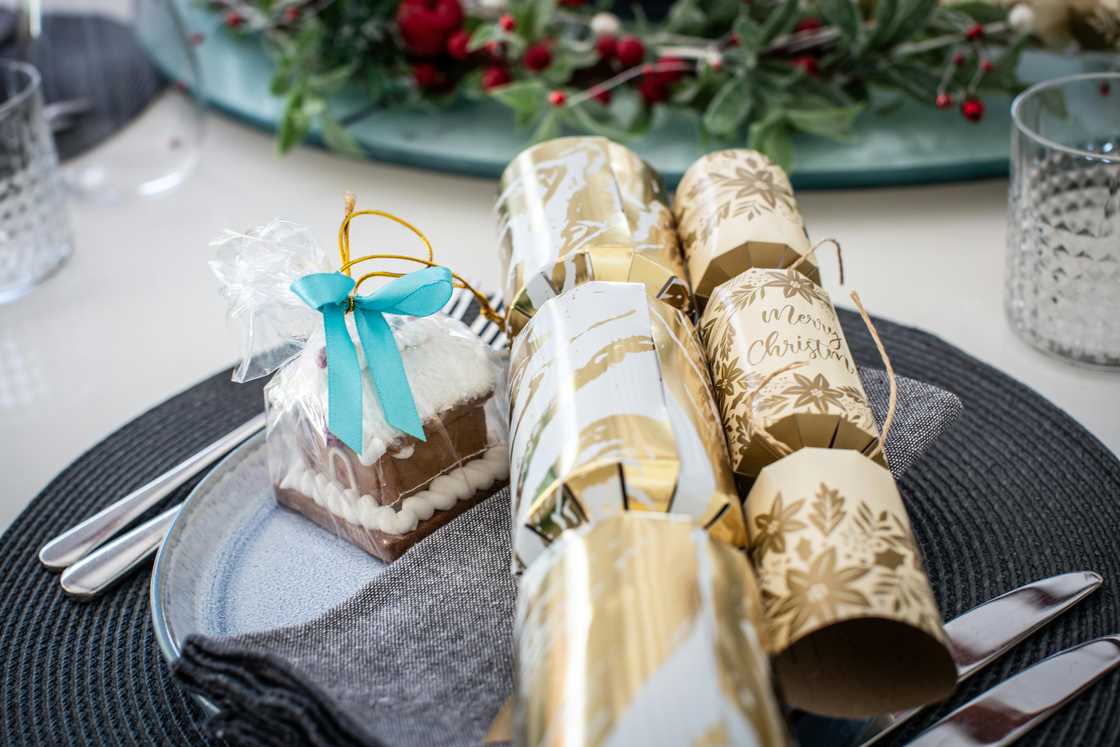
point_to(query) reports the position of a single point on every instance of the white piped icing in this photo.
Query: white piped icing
(446, 366)
(442, 493)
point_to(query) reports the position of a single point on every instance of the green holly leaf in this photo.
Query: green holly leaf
(729, 109)
(770, 136)
(882, 23)
(781, 20)
(578, 117)
(531, 17)
(749, 33)
(483, 35)
(912, 16)
(844, 15)
(294, 124)
(980, 12)
(548, 127)
(686, 17)
(526, 99)
(332, 81)
(337, 137)
(832, 122)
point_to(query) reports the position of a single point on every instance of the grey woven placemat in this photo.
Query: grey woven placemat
(1016, 492)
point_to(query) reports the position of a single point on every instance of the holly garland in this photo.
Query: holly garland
(753, 73)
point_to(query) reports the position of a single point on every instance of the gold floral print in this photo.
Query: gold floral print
(814, 392)
(818, 593)
(825, 555)
(793, 283)
(773, 527)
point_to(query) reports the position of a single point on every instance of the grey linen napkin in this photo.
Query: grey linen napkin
(423, 654)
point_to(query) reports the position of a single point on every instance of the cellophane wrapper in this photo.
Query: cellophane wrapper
(399, 488)
(735, 210)
(758, 323)
(575, 209)
(612, 411)
(640, 629)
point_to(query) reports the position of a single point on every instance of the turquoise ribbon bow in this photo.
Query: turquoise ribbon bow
(419, 293)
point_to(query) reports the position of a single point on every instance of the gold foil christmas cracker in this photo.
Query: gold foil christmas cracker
(584, 208)
(850, 617)
(783, 374)
(612, 410)
(640, 629)
(735, 210)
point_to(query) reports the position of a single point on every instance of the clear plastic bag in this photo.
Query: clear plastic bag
(399, 488)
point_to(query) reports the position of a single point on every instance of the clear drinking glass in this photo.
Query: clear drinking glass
(1062, 291)
(34, 231)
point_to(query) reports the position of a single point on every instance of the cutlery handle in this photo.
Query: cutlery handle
(77, 542)
(1009, 710)
(101, 569)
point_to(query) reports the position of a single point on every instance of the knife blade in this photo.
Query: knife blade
(986, 632)
(1015, 706)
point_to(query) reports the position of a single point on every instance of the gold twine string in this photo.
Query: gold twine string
(892, 400)
(347, 263)
(779, 448)
(811, 252)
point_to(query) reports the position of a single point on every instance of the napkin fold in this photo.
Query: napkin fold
(423, 654)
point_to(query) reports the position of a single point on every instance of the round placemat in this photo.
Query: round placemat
(1016, 491)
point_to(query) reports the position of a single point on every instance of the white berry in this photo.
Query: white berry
(605, 24)
(1021, 18)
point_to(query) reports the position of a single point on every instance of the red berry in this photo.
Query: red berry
(197, 38)
(557, 98)
(670, 69)
(292, 13)
(507, 23)
(653, 89)
(571, 3)
(234, 19)
(733, 40)
(630, 51)
(975, 31)
(607, 46)
(1105, 88)
(425, 25)
(494, 77)
(538, 56)
(426, 75)
(958, 58)
(808, 63)
(812, 23)
(716, 63)
(986, 65)
(943, 101)
(973, 109)
(603, 96)
(458, 44)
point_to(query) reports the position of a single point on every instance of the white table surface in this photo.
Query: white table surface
(135, 316)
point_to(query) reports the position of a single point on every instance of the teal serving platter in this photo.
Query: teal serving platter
(912, 144)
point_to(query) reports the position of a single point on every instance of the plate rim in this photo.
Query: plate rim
(161, 628)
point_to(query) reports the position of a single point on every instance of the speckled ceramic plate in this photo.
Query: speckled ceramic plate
(228, 563)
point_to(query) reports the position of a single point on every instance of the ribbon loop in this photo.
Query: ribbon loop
(419, 293)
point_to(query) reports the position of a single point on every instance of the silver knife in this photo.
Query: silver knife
(1015, 706)
(74, 544)
(986, 632)
(105, 566)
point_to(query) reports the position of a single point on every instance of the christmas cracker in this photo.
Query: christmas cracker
(641, 629)
(735, 210)
(612, 410)
(576, 209)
